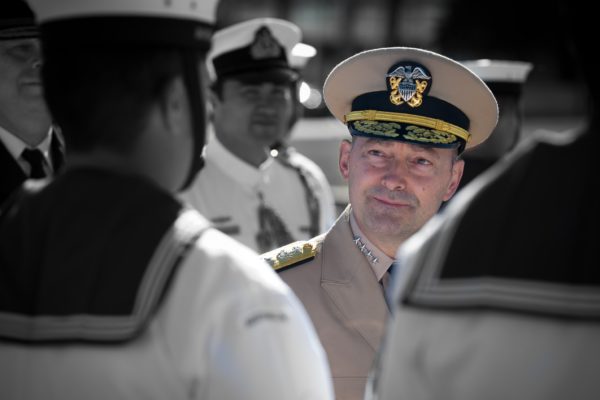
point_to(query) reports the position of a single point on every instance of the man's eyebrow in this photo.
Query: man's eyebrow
(382, 142)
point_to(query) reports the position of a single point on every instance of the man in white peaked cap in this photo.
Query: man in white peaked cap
(111, 289)
(260, 200)
(411, 113)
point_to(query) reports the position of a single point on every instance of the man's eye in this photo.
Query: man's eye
(423, 161)
(22, 51)
(375, 153)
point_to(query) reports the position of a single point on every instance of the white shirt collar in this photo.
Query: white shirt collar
(15, 145)
(236, 168)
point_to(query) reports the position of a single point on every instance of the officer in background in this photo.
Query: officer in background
(312, 176)
(109, 287)
(499, 296)
(411, 113)
(28, 147)
(245, 192)
(505, 78)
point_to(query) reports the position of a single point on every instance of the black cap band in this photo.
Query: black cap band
(127, 30)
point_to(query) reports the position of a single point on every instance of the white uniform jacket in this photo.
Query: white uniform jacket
(226, 327)
(229, 192)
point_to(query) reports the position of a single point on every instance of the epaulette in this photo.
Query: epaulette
(291, 255)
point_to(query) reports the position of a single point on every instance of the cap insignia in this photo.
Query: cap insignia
(423, 135)
(265, 45)
(407, 83)
(387, 129)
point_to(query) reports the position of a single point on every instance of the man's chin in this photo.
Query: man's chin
(265, 134)
(32, 91)
(389, 223)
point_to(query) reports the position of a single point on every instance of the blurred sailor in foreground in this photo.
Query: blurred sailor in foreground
(505, 79)
(109, 288)
(28, 147)
(253, 197)
(499, 296)
(410, 112)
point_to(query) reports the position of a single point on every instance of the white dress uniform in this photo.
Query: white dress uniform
(278, 202)
(109, 287)
(320, 186)
(228, 192)
(226, 328)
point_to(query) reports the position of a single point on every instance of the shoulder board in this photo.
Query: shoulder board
(291, 255)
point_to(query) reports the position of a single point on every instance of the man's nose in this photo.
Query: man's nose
(395, 177)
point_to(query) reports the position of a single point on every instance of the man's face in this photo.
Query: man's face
(252, 114)
(20, 85)
(395, 187)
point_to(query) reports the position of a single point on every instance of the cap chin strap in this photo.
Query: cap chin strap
(192, 82)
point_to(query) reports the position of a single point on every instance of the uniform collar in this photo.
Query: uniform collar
(378, 260)
(233, 166)
(15, 145)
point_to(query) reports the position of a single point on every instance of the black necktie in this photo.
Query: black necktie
(35, 158)
(387, 280)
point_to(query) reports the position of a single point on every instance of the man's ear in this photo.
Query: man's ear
(212, 102)
(344, 159)
(175, 108)
(457, 172)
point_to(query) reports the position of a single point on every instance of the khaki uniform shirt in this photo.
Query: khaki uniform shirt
(345, 301)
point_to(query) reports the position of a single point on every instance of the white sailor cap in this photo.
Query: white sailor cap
(301, 54)
(499, 70)
(187, 23)
(411, 95)
(258, 49)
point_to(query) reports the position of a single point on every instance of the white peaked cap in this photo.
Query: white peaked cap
(242, 35)
(452, 83)
(198, 10)
(499, 70)
(301, 54)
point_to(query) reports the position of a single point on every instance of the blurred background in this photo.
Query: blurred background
(553, 96)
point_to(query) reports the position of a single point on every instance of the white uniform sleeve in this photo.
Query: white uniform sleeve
(268, 350)
(234, 330)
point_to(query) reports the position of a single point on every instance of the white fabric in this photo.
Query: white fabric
(226, 192)
(467, 355)
(322, 189)
(228, 329)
